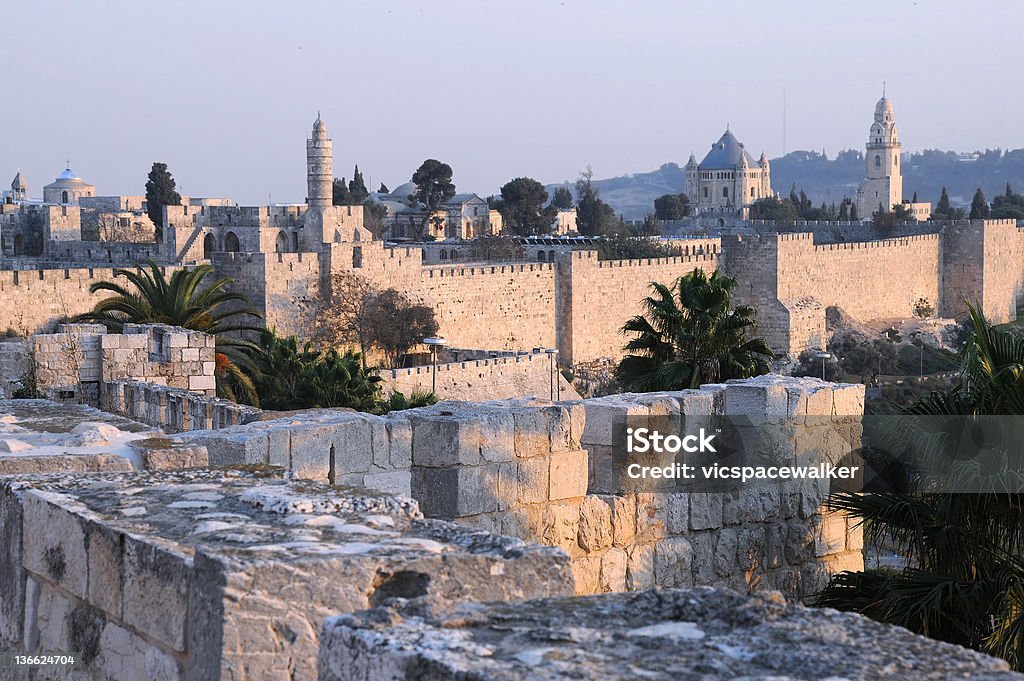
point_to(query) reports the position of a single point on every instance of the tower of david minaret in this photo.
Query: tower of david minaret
(883, 180)
(319, 168)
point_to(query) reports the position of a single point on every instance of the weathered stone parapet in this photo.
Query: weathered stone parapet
(172, 409)
(221, 574)
(664, 635)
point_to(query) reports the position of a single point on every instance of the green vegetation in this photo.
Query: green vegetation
(522, 207)
(187, 300)
(626, 247)
(594, 217)
(160, 192)
(301, 377)
(672, 206)
(434, 186)
(691, 334)
(799, 207)
(979, 207)
(963, 575)
(562, 198)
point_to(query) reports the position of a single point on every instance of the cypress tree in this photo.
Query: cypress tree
(979, 207)
(160, 192)
(357, 188)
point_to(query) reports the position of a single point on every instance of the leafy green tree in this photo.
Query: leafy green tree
(979, 207)
(340, 194)
(772, 208)
(942, 208)
(594, 217)
(433, 180)
(357, 188)
(672, 206)
(962, 578)
(160, 192)
(691, 334)
(186, 300)
(562, 198)
(394, 325)
(522, 207)
(1009, 205)
(397, 401)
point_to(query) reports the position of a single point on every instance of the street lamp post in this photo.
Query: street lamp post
(823, 356)
(434, 344)
(551, 375)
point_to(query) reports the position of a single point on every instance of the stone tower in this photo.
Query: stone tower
(319, 167)
(19, 188)
(883, 180)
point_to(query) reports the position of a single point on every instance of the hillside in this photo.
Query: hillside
(829, 180)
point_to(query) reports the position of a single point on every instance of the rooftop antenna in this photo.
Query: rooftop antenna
(783, 122)
(883, 89)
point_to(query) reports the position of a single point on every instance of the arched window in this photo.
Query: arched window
(540, 256)
(878, 161)
(231, 244)
(208, 246)
(725, 192)
(282, 243)
(751, 192)
(444, 254)
(19, 244)
(64, 197)
(895, 159)
(705, 192)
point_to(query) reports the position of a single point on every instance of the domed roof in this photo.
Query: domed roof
(403, 192)
(68, 180)
(883, 110)
(319, 128)
(725, 154)
(68, 174)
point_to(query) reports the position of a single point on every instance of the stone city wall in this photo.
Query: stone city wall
(33, 301)
(541, 471)
(172, 410)
(204, 575)
(595, 298)
(493, 378)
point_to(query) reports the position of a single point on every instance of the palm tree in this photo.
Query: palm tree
(689, 335)
(186, 300)
(962, 578)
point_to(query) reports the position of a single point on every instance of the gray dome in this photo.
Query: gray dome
(403, 192)
(725, 154)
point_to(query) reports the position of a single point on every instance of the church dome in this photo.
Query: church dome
(726, 154)
(319, 128)
(68, 174)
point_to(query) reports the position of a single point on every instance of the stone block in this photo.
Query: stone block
(52, 616)
(352, 441)
(595, 532)
(497, 436)
(439, 441)
(379, 443)
(705, 511)
(750, 398)
(531, 436)
(399, 442)
(800, 543)
(830, 535)
(533, 480)
(561, 527)
(623, 519)
(854, 534)
(673, 562)
(53, 539)
(105, 569)
(202, 383)
(392, 482)
(613, 570)
(12, 574)
(775, 545)
(123, 656)
(650, 517)
(568, 476)
(586, 572)
(639, 567)
(156, 588)
(456, 492)
(559, 428)
(751, 548)
(725, 552)
(677, 513)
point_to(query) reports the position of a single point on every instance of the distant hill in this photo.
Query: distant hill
(829, 180)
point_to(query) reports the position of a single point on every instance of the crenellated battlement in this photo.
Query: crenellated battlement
(432, 271)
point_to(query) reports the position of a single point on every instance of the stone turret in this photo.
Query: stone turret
(19, 188)
(319, 167)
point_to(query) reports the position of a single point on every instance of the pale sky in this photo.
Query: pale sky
(226, 92)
